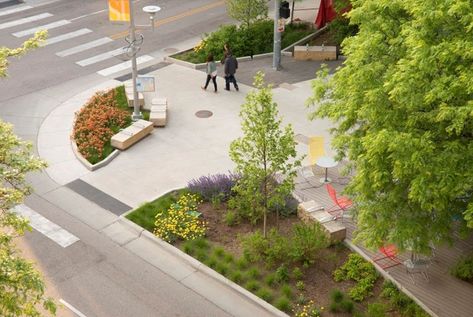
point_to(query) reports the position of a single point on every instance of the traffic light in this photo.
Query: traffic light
(284, 11)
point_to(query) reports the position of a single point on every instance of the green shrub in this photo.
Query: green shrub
(286, 290)
(228, 258)
(297, 273)
(231, 218)
(187, 247)
(283, 303)
(201, 255)
(360, 271)
(219, 251)
(464, 269)
(347, 306)
(212, 262)
(306, 241)
(270, 279)
(265, 295)
(221, 268)
(282, 274)
(252, 285)
(336, 296)
(253, 273)
(400, 301)
(242, 263)
(201, 243)
(300, 285)
(271, 250)
(236, 276)
(376, 310)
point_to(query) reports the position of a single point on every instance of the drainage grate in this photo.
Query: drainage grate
(203, 114)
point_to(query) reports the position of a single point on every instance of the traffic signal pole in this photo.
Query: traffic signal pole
(277, 37)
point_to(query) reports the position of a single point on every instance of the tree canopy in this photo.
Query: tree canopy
(21, 285)
(247, 11)
(403, 107)
(266, 151)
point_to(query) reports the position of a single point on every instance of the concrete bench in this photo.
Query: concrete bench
(311, 211)
(129, 95)
(158, 112)
(315, 53)
(132, 134)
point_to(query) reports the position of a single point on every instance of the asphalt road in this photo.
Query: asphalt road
(94, 276)
(178, 21)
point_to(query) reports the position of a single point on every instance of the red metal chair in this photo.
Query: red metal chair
(342, 204)
(388, 257)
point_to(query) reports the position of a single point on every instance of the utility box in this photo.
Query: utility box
(315, 53)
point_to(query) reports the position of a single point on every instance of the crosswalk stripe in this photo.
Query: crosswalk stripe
(25, 20)
(100, 57)
(51, 230)
(66, 36)
(83, 47)
(14, 10)
(123, 66)
(42, 27)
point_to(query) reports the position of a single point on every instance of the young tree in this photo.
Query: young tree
(21, 285)
(247, 11)
(264, 153)
(404, 107)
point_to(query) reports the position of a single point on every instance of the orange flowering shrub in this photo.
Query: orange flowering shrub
(96, 123)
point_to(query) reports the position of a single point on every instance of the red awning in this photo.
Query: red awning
(326, 13)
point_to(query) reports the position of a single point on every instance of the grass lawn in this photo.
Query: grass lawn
(122, 102)
(144, 215)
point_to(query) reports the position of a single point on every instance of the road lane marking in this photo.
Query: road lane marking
(89, 14)
(100, 57)
(66, 36)
(72, 308)
(25, 20)
(15, 10)
(46, 227)
(84, 47)
(124, 65)
(175, 17)
(42, 27)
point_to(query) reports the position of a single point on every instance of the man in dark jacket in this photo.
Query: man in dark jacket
(231, 65)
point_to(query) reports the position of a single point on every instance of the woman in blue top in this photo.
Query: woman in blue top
(211, 72)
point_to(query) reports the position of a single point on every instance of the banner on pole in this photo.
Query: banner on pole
(119, 10)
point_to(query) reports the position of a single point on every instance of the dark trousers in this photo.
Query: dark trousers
(230, 79)
(214, 80)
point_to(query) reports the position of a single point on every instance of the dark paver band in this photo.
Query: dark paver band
(144, 71)
(4, 4)
(99, 197)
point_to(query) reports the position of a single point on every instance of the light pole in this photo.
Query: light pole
(134, 47)
(277, 37)
(134, 70)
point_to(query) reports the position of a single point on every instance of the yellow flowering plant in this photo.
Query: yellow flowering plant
(307, 310)
(199, 46)
(180, 221)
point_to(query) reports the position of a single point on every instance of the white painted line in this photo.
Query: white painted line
(83, 47)
(123, 66)
(72, 308)
(66, 36)
(46, 227)
(100, 57)
(14, 10)
(89, 14)
(42, 27)
(25, 20)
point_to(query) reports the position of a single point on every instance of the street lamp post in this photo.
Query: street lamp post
(277, 37)
(134, 70)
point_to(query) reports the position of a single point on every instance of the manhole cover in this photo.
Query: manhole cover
(203, 114)
(171, 50)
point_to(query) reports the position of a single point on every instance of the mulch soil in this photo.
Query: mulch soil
(317, 278)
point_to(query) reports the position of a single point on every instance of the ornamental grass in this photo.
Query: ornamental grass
(96, 123)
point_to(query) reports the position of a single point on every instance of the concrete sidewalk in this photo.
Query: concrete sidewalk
(188, 147)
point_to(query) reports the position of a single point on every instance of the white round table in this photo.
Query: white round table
(326, 162)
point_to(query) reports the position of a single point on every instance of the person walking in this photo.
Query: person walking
(211, 72)
(230, 66)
